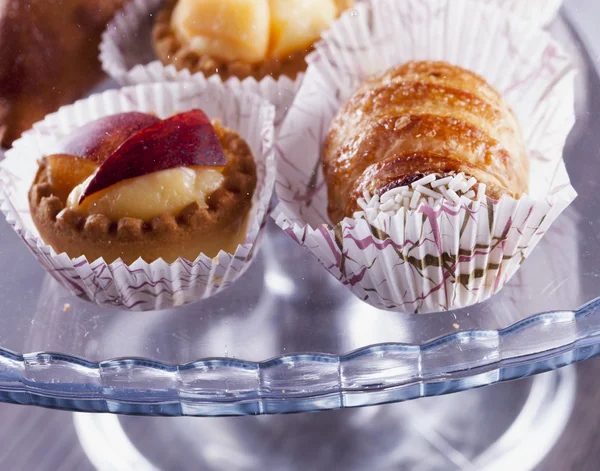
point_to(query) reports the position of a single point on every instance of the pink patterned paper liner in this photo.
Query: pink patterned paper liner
(426, 260)
(127, 55)
(144, 286)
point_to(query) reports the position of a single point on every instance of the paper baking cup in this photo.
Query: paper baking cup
(143, 286)
(127, 55)
(536, 12)
(426, 260)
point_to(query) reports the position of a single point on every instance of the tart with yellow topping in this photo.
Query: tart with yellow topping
(242, 38)
(132, 185)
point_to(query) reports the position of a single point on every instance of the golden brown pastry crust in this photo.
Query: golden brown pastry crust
(422, 118)
(170, 50)
(49, 57)
(194, 230)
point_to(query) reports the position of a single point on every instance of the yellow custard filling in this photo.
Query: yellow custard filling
(151, 195)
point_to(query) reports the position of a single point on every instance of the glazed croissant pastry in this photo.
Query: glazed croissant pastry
(418, 120)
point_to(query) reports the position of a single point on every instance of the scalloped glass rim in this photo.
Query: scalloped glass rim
(302, 382)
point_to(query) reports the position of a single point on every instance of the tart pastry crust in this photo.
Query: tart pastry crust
(221, 226)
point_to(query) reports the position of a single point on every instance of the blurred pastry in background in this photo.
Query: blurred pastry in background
(242, 38)
(48, 57)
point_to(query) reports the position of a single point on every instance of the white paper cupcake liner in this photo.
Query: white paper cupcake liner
(476, 249)
(535, 12)
(127, 55)
(141, 285)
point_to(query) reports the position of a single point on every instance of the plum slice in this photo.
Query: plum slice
(97, 140)
(184, 140)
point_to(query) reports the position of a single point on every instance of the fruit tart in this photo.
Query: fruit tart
(132, 186)
(242, 38)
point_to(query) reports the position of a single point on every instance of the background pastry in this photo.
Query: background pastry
(427, 126)
(49, 57)
(242, 38)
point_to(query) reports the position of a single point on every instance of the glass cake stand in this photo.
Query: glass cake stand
(288, 337)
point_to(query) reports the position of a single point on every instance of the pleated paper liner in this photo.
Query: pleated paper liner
(429, 260)
(127, 55)
(536, 12)
(140, 285)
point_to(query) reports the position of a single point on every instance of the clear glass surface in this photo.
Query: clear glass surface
(288, 337)
(509, 426)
